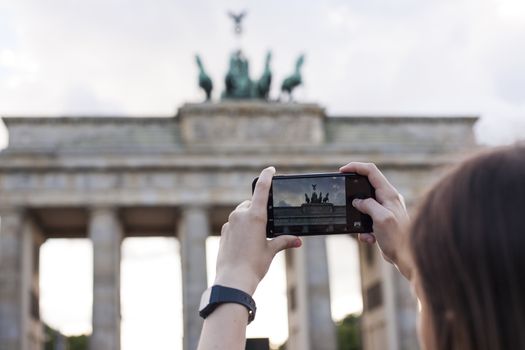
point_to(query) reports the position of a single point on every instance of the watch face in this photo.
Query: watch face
(205, 299)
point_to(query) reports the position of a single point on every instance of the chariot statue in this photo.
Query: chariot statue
(238, 83)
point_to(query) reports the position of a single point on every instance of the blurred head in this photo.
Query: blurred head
(468, 246)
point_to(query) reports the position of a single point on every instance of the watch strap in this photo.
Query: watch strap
(221, 294)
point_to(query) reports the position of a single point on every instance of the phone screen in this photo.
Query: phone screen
(317, 204)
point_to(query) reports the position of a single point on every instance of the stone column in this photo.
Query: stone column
(14, 303)
(36, 327)
(193, 230)
(20, 326)
(389, 309)
(106, 235)
(309, 313)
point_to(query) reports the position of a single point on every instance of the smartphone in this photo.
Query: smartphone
(317, 204)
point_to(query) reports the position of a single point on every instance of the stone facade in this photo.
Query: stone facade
(110, 178)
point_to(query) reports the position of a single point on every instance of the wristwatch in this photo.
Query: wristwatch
(216, 295)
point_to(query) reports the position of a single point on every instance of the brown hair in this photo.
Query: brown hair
(468, 245)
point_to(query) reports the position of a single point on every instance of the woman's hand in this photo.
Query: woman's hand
(244, 252)
(389, 214)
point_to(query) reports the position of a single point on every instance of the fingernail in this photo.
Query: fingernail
(355, 202)
(297, 243)
(370, 240)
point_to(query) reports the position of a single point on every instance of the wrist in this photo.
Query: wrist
(247, 284)
(404, 266)
(218, 295)
(403, 261)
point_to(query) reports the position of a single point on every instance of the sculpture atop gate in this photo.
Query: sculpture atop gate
(238, 83)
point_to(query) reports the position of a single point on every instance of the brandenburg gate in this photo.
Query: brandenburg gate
(115, 177)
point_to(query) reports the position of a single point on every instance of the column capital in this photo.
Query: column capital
(12, 210)
(104, 219)
(194, 222)
(11, 219)
(195, 206)
(102, 209)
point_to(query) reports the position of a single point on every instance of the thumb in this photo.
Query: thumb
(284, 242)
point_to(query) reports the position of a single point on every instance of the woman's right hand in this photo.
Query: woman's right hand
(389, 215)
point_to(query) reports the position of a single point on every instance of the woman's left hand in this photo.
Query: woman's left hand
(245, 254)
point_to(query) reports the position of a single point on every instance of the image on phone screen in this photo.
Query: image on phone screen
(317, 204)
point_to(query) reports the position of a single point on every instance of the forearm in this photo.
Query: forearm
(244, 257)
(225, 328)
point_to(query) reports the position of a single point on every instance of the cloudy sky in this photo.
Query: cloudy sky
(136, 57)
(362, 57)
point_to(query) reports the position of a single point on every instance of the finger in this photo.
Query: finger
(371, 207)
(380, 215)
(367, 238)
(284, 242)
(243, 205)
(262, 189)
(375, 176)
